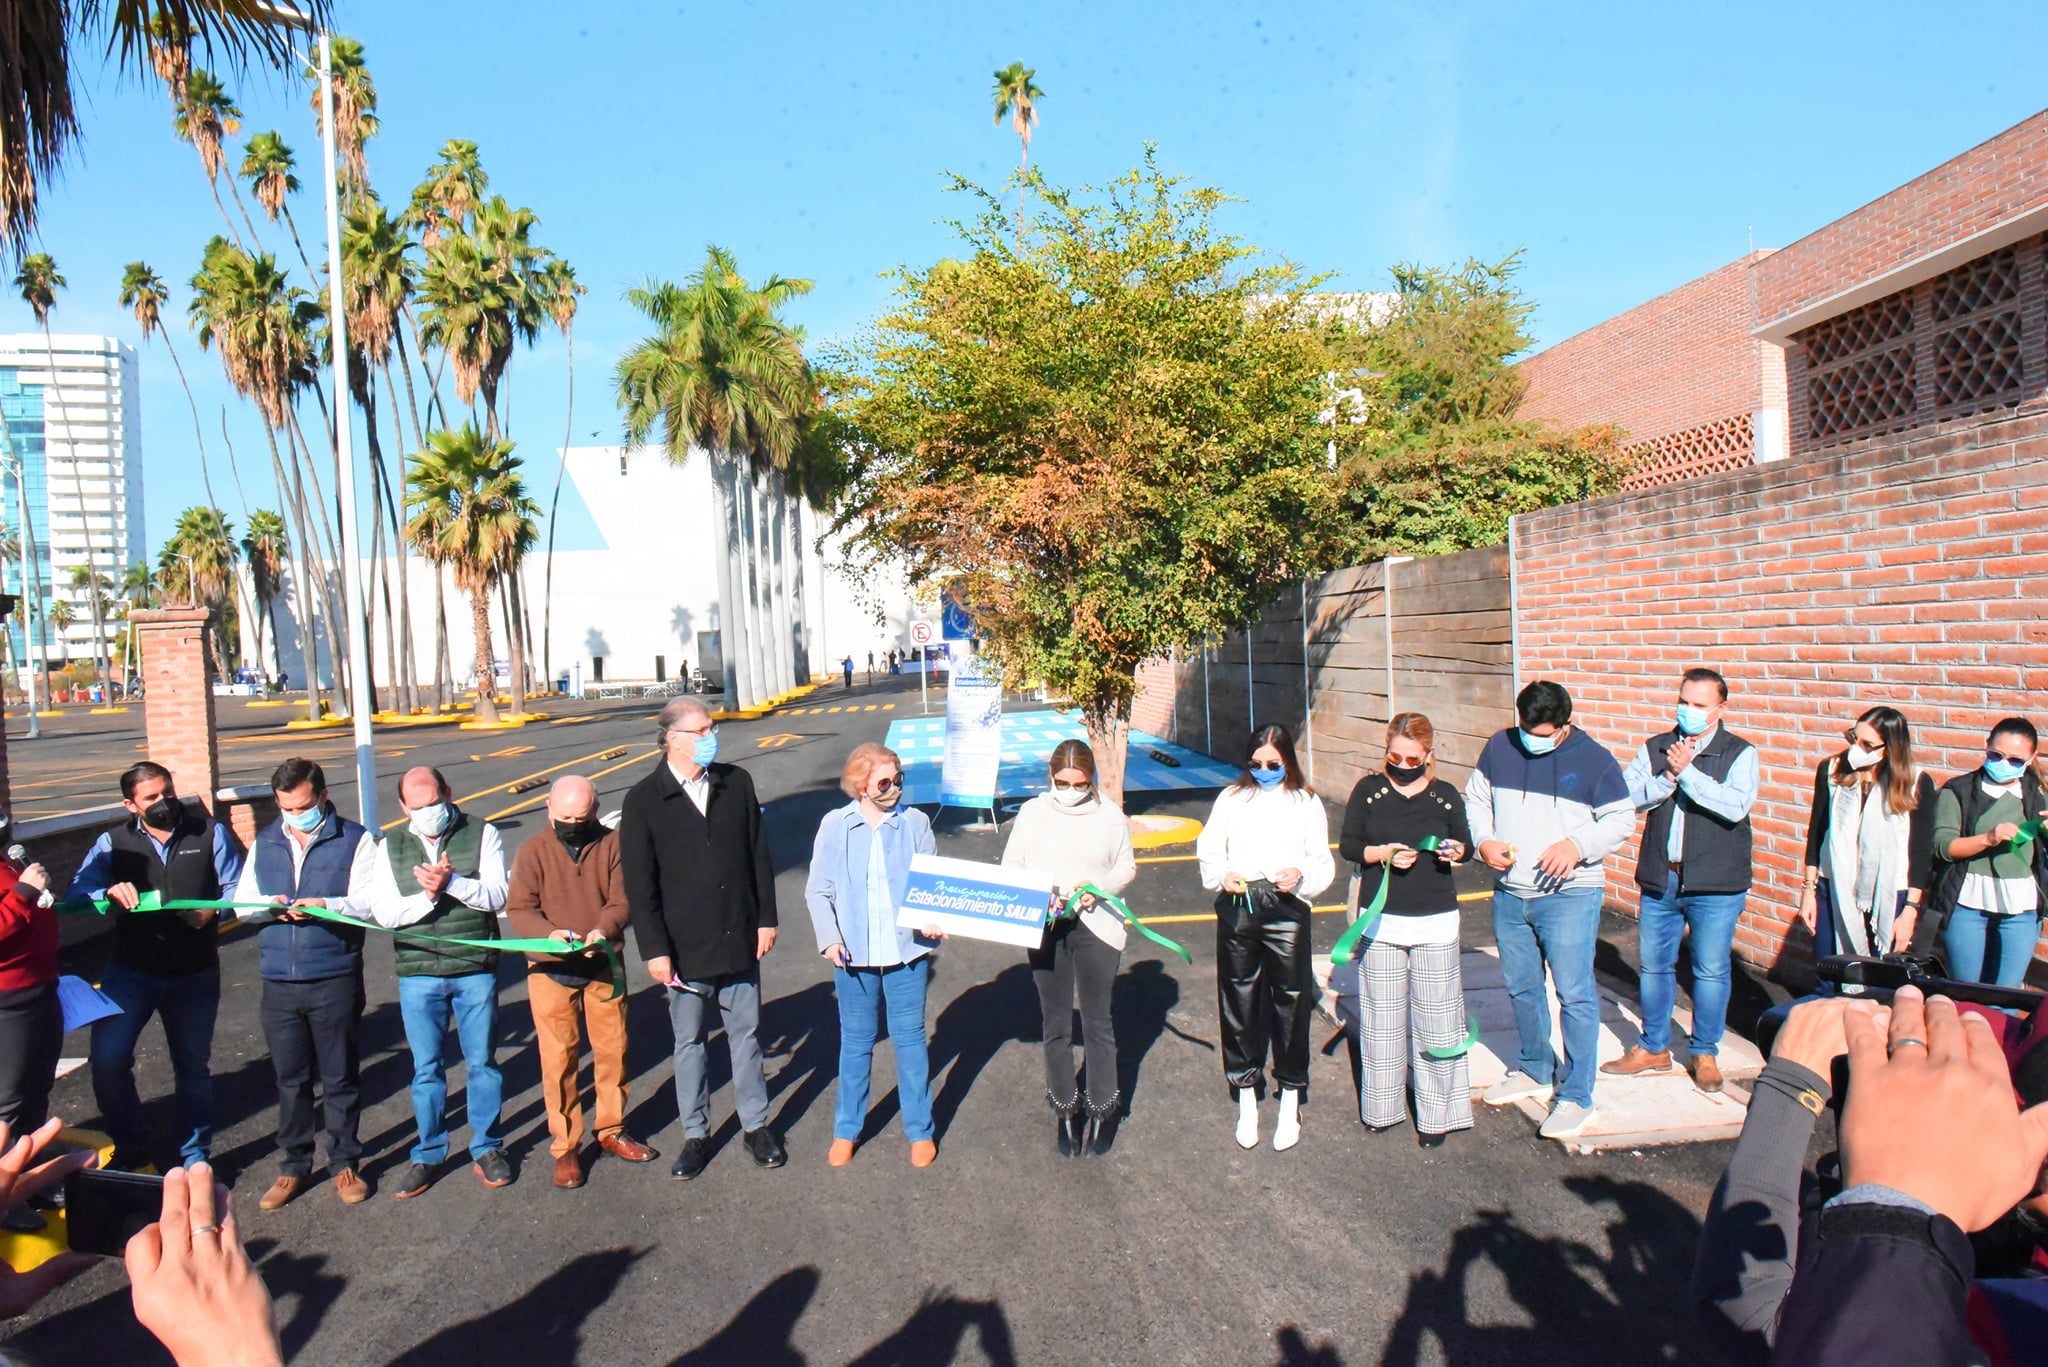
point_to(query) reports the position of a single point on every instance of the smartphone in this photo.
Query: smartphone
(104, 1210)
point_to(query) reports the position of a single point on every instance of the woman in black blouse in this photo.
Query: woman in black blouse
(1408, 971)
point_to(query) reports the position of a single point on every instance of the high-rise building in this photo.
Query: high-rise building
(76, 444)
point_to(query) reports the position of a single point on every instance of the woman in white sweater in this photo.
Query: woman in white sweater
(1266, 852)
(1076, 837)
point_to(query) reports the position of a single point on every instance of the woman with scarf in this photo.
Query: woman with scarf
(1869, 841)
(1072, 834)
(860, 867)
(1265, 852)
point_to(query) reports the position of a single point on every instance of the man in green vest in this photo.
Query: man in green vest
(444, 874)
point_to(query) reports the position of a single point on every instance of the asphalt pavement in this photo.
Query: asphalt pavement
(1178, 1247)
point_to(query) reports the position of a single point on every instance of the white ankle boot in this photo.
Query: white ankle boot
(1247, 1118)
(1287, 1132)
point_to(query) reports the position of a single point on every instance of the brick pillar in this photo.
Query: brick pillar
(177, 704)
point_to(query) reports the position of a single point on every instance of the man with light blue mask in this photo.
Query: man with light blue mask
(1547, 806)
(443, 873)
(1697, 783)
(312, 974)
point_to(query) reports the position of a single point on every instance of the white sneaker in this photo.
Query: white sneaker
(1247, 1119)
(1566, 1120)
(1287, 1131)
(1512, 1088)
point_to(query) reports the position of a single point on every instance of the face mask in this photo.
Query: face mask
(162, 814)
(576, 834)
(1539, 745)
(887, 797)
(308, 820)
(430, 821)
(705, 749)
(1999, 769)
(1405, 774)
(1861, 758)
(1071, 797)
(1691, 720)
(1266, 778)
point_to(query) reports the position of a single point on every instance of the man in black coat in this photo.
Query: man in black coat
(700, 890)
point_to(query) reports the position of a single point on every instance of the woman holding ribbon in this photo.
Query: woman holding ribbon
(1405, 828)
(1072, 834)
(1869, 841)
(860, 867)
(1265, 851)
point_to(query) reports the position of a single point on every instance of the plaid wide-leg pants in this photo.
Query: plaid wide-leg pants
(1411, 1000)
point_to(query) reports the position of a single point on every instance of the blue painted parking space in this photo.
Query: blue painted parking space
(1028, 741)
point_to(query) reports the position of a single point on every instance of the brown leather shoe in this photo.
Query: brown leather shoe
(1638, 1060)
(840, 1154)
(624, 1146)
(568, 1171)
(281, 1191)
(1706, 1074)
(352, 1189)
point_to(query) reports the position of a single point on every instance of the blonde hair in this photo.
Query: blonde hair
(1415, 726)
(867, 757)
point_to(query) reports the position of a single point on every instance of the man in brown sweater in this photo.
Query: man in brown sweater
(565, 885)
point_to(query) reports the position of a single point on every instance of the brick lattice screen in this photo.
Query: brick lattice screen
(1709, 449)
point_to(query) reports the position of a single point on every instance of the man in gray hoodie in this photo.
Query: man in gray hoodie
(1547, 805)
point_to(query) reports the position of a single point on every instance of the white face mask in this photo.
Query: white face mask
(430, 821)
(1071, 797)
(1860, 758)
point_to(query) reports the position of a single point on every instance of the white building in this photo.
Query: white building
(79, 444)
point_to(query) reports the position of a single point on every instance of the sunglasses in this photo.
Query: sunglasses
(1061, 786)
(887, 786)
(1266, 765)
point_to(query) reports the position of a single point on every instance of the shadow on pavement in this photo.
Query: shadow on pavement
(973, 1027)
(1622, 1305)
(933, 1334)
(759, 1335)
(541, 1328)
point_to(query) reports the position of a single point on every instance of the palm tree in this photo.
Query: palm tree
(470, 512)
(454, 187)
(205, 115)
(264, 545)
(198, 565)
(262, 327)
(355, 117)
(482, 299)
(38, 113)
(268, 164)
(720, 372)
(1017, 96)
(559, 286)
(38, 282)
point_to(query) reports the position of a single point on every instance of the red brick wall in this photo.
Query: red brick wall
(177, 703)
(1682, 360)
(1983, 187)
(1907, 570)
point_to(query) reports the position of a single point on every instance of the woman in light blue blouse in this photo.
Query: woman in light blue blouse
(878, 966)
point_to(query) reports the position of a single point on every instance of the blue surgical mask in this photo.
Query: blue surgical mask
(430, 821)
(308, 820)
(1539, 745)
(1266, 778)
(1999, 769)
(705, 749)
(1692, 720)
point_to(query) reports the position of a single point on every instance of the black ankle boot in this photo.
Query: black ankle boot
(1102, 1124)
(1068, 1135)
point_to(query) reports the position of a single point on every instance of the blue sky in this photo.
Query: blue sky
(1625, 149)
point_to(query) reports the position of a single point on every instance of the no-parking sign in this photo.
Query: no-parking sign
(920, 633)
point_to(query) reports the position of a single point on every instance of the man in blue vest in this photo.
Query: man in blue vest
(443, 874)
(1697, 782)
(312, 974)
(162, 963)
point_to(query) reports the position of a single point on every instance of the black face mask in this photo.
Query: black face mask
(162, 814)
(1405, 774)
(577, 834)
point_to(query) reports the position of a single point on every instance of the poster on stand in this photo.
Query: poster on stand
(974, 734)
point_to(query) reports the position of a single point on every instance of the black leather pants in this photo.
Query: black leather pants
(1262, 974)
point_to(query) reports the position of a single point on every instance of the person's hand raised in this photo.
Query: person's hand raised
(1931, 1111)
(194, 1287)
(21, 1177)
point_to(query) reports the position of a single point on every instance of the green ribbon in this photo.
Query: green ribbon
(1471, 1038)
(1073, 908)
(2030, 832)
(1346, 947)
(152, 900)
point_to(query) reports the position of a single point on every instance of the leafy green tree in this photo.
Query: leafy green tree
(1017, 96)
(1434, 458)
(470, 512)
(1116, 438)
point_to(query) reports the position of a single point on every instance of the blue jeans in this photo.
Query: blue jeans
(1561, 929)
(1965, 936)
(1712, 916)
(864, 994)
(426, 1005)
(187, 1003)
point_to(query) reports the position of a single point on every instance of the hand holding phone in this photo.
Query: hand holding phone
(194, 1286)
